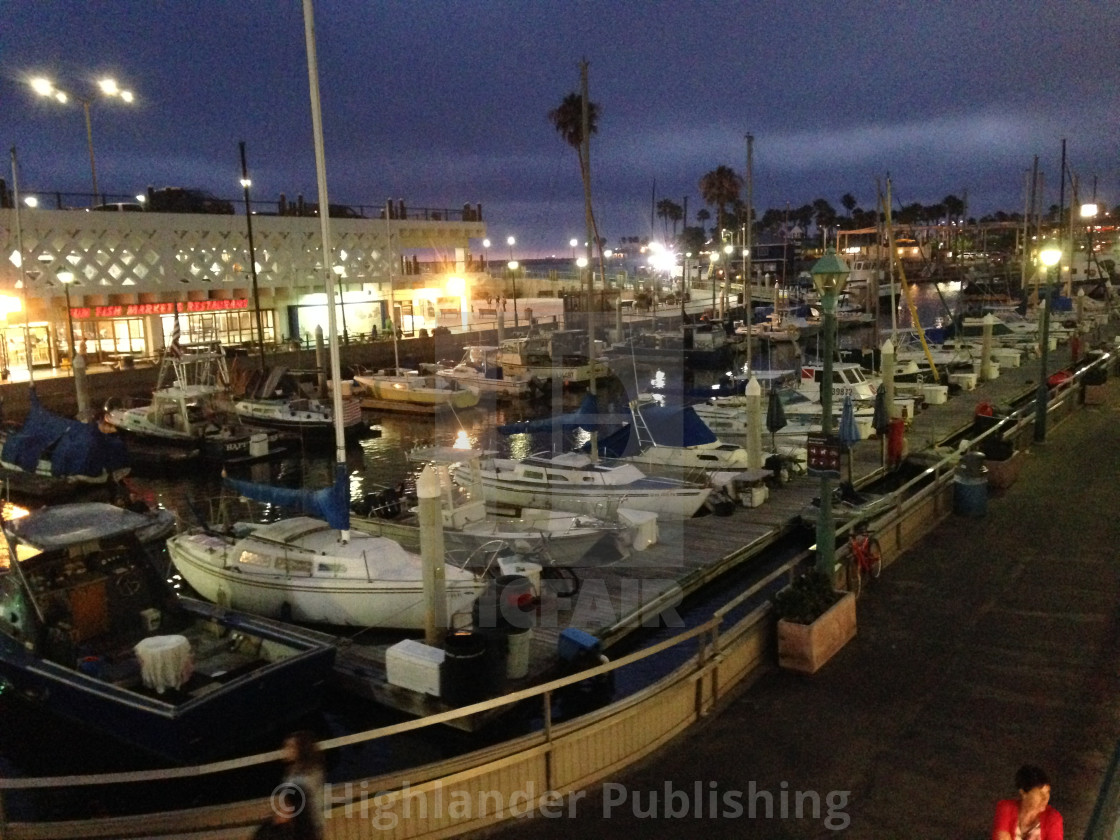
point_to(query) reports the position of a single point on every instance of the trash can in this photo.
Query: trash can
(970, 486)
(461, 681)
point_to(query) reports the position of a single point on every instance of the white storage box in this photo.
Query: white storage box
(414, 665)
(642, 526)
(967, 381)
(935, 394)
(1007, 356)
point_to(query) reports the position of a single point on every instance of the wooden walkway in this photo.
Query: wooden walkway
(619, 596)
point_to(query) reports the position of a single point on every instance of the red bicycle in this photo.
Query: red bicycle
(867, 556)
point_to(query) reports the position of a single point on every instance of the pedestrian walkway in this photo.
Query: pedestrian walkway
(993, 642)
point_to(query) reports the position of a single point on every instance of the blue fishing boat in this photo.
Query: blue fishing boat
(92, 632)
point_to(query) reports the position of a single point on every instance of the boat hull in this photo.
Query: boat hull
(210, 564)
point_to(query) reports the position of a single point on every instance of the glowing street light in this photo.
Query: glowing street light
(513, 265)
(109, 88)
(1050, 257)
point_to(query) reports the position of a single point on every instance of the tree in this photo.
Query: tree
(669, 211)
(849, 202)
(567, 119)
(702, 217)
(719, 188)
(953, 206)
(824, 214)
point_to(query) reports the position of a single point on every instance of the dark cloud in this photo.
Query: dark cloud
(445, 102)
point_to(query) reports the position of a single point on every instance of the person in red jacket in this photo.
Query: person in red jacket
(1030, 817)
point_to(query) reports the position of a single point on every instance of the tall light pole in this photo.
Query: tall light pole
(830, 273)
(1088, 213)
(245, 184)
(574, 243)
(66, 278)
(513, 264)
(1050, 257)
(108, 87)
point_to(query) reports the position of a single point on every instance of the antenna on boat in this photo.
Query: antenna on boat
(325, 228)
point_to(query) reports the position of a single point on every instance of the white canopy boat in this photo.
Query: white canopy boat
(481, 369)
(410, 390)
(574, 482)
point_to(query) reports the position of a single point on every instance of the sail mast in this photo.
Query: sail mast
(325, 228)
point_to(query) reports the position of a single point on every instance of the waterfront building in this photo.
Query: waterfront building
(118, 283)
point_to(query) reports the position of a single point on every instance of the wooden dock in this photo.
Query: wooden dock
(619, 596)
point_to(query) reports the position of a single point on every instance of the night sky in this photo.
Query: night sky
(443, 103)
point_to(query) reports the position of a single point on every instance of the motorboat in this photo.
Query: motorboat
(51, 457)
(58, 526)
(275, 398)
(574, 481)
(547, 537)
(480, 368)
(706, 346)
(92, 631)
(297, 569)
(190, 409)
(400, 389)
(534, 356)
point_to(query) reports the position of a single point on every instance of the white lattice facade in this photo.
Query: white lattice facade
(133, 261)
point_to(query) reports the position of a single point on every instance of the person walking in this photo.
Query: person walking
(297, 802)
(1030, 816)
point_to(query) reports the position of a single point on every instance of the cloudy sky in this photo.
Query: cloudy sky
(443, 103)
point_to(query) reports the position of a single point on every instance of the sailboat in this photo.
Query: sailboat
(311, 567)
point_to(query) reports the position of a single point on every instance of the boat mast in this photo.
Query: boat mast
(325, 228)
(392, 292)
(22, 272)
(585, 141)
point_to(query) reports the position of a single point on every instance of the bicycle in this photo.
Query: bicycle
(867, 556)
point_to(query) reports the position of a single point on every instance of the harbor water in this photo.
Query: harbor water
(33, 744)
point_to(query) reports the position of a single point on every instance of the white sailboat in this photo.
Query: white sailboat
(310, 567)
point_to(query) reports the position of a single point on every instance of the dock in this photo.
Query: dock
(616, 598)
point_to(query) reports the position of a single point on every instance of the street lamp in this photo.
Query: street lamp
(66, 278)
(246, 182)
(1088, 213)
(714, 258)
(108, 87)
(513, 264)
(1050, 257)
(830, 273)
(574, 243)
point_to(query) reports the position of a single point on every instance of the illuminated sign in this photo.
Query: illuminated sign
(135, 310)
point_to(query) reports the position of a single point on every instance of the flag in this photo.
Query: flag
(176, 335)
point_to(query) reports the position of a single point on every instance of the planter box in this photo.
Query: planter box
(1002, 474)
(806, 647)
(1095, 394)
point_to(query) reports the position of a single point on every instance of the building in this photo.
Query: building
(119, 282)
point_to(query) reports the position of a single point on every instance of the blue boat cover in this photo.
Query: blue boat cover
(587, 417)
(328, 503)
(668, 426)
(73, 447)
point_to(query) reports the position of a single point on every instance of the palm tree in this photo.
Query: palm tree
(702, 217)
(665, 212)
(719, 188)
(567, 119)
(849, 202)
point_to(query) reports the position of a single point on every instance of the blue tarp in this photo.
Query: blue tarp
(668, 426)
(73, 447)
(328, 503)
(586, 417)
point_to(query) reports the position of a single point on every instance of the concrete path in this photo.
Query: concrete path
(994, 642)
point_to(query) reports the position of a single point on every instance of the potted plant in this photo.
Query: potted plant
(815, 620)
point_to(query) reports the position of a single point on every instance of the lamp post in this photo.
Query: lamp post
(714, 257)
(66, 278)
(1088, 213)
(245, 184)
(513, 266)
(830, 273)
(574, 243)
(1050, 257)
(108, 87)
